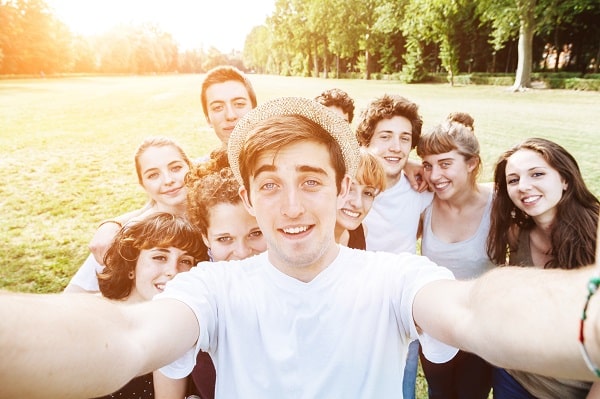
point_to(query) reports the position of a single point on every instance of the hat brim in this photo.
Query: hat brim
(334, 124)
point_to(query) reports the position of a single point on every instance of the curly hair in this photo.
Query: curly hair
(337, 98)
(573, 232)
(158, 230)
(207, 188)
(387, 107)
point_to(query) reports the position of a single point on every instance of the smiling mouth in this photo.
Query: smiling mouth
(529, 200)
(392, 159)
(443, 185)
(295, 230)
(350, 213)
(173, 191)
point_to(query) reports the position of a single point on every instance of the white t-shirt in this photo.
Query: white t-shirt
(393, 221)
(344, 334)
(86, 275)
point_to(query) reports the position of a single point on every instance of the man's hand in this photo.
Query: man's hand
(413, 171)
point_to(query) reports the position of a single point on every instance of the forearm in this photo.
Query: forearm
(64, 346)
(528, 319)
(169, 388)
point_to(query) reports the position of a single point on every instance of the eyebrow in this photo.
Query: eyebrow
(301, 168)
(232, 99)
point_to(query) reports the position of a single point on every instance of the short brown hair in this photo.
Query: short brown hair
(222, 74)
(279, 131)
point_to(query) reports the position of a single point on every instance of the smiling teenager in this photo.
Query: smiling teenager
(307, 318)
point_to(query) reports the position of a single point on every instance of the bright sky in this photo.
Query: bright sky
(222, 24)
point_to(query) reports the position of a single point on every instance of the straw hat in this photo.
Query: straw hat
(326, 118)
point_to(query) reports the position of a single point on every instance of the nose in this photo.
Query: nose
(434, 173)
(230, 113)
(169, 178)
(170, 268)
(395, 144)
(292, 206)
(355, 199)
(242, 250)
(524, 184)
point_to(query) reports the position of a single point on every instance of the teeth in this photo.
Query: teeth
(351, 213)
(393, 159)
(160, 287)
(530, 199)
(442, 185)
(295, 230)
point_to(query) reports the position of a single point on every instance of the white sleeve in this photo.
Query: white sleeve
(86, 275)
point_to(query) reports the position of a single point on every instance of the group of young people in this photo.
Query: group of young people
(299, 308)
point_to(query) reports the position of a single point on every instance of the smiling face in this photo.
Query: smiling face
(227, 102)
(154, 268)
(357, 204)
(293, 195)
(162, 171)
(391, 144)
(533, 185)
(233, 233)
(448, 174)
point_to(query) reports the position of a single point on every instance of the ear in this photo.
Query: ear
(205, 240)
(344, 188)
(472, 164)
(565, 185)
(245, 196)
(208, 122)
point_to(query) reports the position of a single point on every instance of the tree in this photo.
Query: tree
(257, 49)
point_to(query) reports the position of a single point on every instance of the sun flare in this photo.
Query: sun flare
(193, 24)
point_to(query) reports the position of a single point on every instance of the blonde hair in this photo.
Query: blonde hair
(370, 172)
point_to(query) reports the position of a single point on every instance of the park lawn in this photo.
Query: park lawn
(67, 144)
(67, 147)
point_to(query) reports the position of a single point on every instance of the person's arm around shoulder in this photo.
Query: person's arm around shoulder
(413, 171)
(62, 342)
(108, 229)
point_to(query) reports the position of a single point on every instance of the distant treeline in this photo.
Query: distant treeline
(337, 38)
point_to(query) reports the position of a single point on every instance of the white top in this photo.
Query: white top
(467, 259)
(393, 221)
(86, 275)
(344, 334)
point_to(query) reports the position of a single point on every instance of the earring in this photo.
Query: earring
(131, 275)
(513, 214)
(209, 253)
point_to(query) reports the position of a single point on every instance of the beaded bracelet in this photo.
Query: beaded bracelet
(592, 287)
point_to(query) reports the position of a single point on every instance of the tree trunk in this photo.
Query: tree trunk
(367, 68)
(525, 47)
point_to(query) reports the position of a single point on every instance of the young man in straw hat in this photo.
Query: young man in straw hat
(308, 318)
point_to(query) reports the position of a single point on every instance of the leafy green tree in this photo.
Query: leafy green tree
(257, 49)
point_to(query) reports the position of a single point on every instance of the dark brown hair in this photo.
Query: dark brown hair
(337, 98)
(222, 74)
(387, 107)
(159, 230)
(573, 234)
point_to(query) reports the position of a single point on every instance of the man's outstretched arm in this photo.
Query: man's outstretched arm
(84, 346)
(516, 318)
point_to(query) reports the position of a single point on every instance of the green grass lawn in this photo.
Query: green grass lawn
(66, 149)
